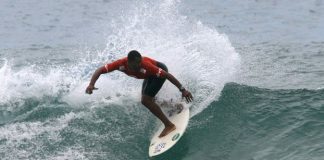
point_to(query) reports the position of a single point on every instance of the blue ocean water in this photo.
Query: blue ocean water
(254, 67)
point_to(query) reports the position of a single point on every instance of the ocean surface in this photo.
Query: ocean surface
(255, 69)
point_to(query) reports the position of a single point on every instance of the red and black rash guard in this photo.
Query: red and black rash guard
(148, 68)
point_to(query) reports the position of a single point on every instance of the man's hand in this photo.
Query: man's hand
(187, 95)
(90, 88)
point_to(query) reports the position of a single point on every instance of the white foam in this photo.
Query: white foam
(4, 81)
(27, 82)
(70, 154)
(29, 130)
(201, 58)
(20, 134)
(33, 82)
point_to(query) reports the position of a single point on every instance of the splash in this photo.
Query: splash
(201, 58)
(32, 82)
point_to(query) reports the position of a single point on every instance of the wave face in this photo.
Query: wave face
(244, 123)
(255, 123)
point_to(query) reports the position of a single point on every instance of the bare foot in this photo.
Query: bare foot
(167, 130)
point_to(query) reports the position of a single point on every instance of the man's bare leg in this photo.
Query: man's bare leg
(149, 103)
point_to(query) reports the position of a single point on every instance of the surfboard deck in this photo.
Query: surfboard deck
(177, 115)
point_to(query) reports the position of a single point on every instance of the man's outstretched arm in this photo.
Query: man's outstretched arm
(94, 78)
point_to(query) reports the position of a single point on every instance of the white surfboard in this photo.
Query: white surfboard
(179, 115)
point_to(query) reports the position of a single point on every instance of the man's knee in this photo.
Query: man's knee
(146, 99)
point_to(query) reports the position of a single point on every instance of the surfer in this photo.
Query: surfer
(154, 74)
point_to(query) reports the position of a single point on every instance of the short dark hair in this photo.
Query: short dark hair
(132, 55)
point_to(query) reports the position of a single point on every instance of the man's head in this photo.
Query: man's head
(134, 60)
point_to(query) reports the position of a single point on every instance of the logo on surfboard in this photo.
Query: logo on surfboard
(176, 136)
(159, 147)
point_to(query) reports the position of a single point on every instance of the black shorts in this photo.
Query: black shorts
(152, 85)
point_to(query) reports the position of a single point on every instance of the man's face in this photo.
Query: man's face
(134, 65)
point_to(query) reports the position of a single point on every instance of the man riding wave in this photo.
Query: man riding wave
(154, 74)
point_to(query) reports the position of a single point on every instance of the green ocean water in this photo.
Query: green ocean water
(254, 67)
(244, 123)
